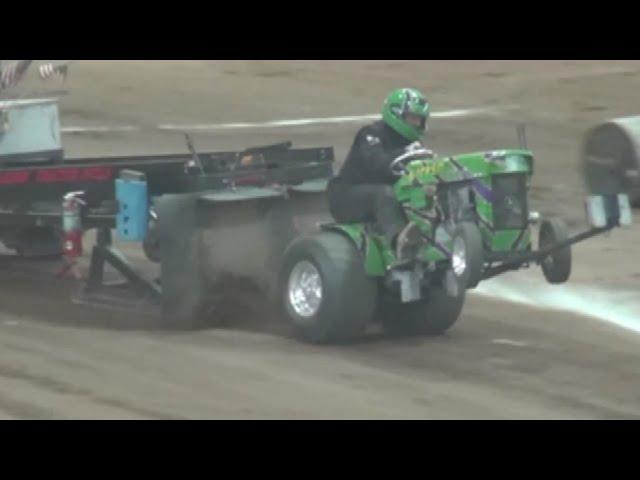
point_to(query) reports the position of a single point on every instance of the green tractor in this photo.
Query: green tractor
(473, 213)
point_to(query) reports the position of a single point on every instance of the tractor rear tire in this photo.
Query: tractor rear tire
(325, 292)
(151, 243)
(433, 315)
(39, 242)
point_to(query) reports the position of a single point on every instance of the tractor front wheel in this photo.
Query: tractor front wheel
(467, 256)
(557, 265)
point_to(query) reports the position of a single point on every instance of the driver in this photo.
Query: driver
(363, 189)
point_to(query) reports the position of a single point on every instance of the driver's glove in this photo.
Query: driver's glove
(413, 147)
(420, 150)
(419, 147)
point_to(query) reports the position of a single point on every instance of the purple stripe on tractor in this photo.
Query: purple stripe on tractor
(484, 191)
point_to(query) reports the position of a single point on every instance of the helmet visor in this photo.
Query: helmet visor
(416, 121)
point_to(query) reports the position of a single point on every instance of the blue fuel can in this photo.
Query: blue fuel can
(132, 220)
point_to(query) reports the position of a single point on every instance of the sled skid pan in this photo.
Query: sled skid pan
(135, 292)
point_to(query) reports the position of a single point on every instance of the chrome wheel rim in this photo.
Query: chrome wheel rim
(305, 289)
(459, 257)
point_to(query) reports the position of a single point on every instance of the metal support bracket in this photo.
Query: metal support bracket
(134, 293)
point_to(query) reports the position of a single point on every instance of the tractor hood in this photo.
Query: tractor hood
(467, 166)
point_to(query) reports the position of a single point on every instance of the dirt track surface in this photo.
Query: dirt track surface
(501, 361)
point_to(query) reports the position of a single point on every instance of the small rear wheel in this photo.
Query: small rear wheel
(557, 265)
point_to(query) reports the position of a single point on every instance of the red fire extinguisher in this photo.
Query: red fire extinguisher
(72, 225)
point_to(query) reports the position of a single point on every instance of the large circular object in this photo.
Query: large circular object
(611, 158)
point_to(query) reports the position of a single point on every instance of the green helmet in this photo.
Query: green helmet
(398, 104)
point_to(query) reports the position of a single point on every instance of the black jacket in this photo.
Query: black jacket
(373, 150)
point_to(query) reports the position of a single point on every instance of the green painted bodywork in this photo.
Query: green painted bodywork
(421, 191)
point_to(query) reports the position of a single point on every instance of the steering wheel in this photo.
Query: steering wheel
(399, 166)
